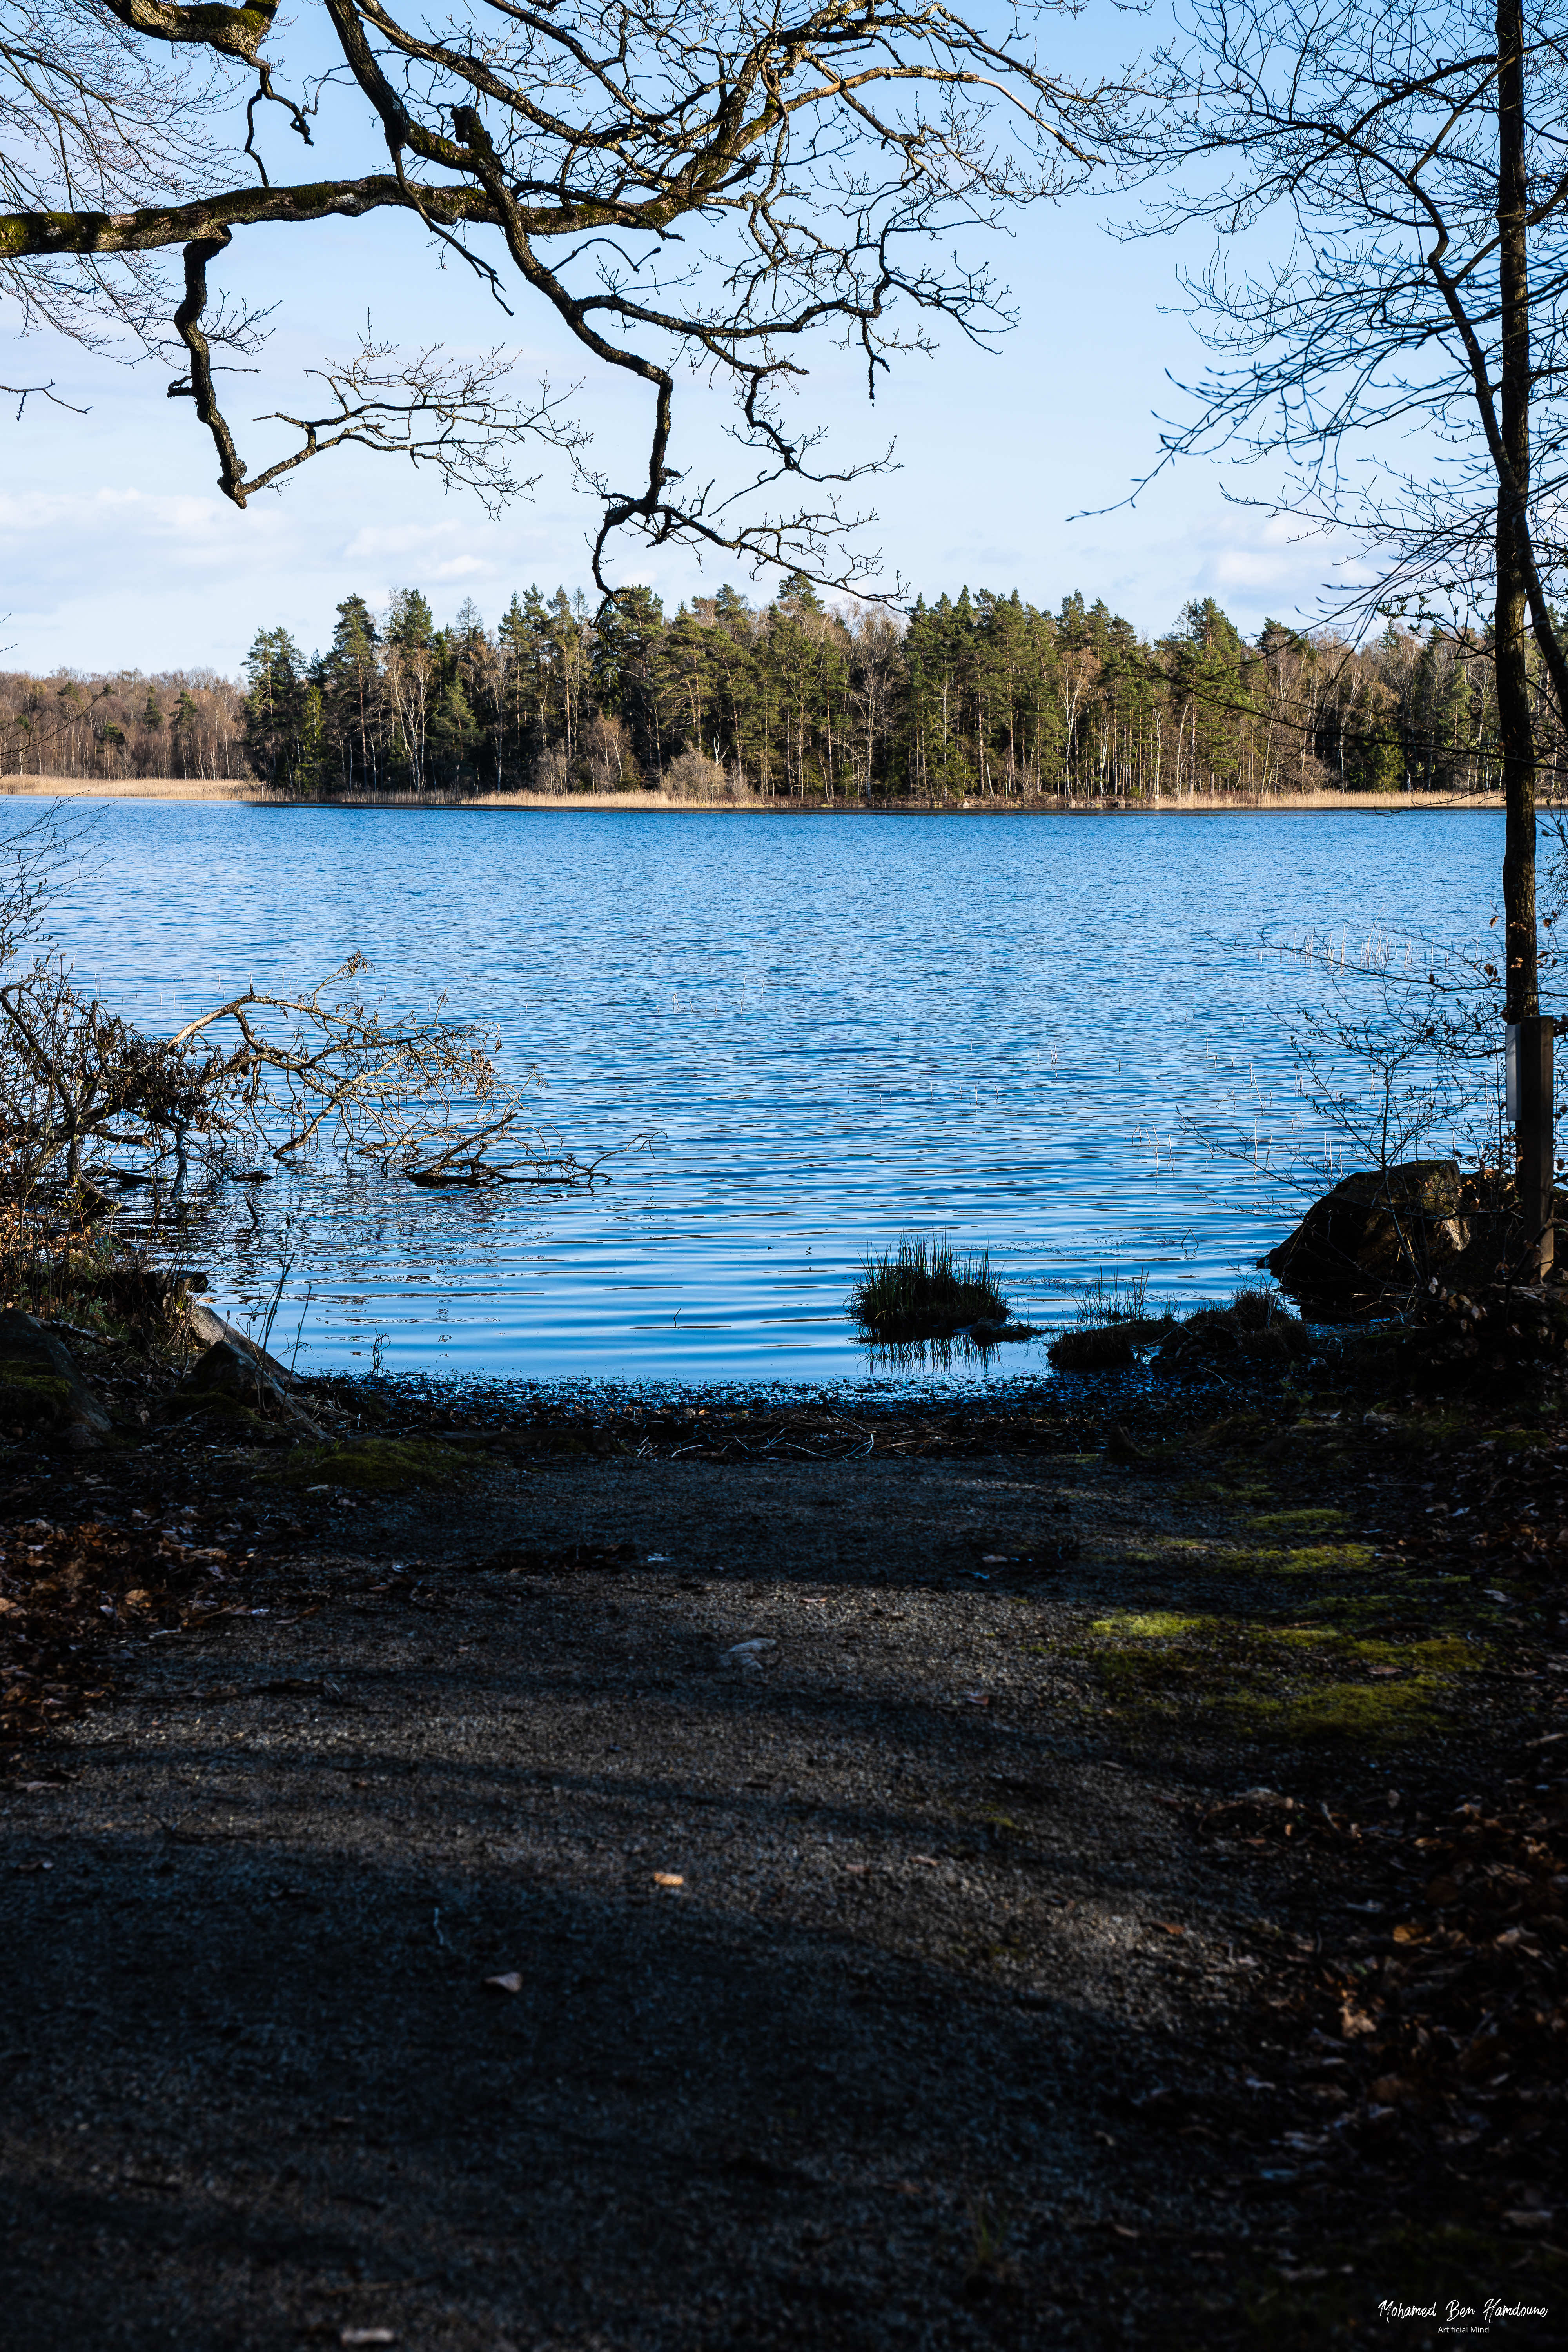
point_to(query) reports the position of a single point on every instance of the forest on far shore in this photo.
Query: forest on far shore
(977, 697)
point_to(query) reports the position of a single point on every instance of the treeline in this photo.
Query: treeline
(977, 697)
(187, 723)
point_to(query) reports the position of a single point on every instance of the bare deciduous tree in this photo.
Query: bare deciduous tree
(684, 182)
(1390, 330)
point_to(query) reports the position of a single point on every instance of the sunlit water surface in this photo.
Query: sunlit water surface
(1013, 1032)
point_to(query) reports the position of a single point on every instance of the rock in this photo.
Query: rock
(40, 1385)
(240, 1375)
(211, 1330)
(748, 1656)
(1107, 1347)
(1379, 1229)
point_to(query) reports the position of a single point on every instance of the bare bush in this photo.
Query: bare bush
(693, 776)
(553, 771)
(260, 1076)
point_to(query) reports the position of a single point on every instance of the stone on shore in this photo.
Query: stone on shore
(1379, 1232)
(40, 1385)
(228, 1373)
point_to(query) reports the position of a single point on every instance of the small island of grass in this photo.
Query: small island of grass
(918, 1290)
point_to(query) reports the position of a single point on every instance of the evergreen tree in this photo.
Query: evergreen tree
(626, 655)
(351, 687)
(410, 623)
(275, 707)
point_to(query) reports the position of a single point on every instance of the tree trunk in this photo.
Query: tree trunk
(1516, 733)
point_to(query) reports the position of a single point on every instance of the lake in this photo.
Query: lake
(835, 1030)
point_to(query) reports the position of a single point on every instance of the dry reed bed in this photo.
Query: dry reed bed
(183, 788)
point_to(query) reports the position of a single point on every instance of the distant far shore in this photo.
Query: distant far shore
(183, 788)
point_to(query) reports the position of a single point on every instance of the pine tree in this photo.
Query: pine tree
(351, 685)
(626, 652)
(274, 706)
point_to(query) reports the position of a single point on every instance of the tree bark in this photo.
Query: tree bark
(1516, 732)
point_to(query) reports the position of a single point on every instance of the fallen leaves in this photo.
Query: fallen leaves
(70, 1590)
(1455, 2028)
(510, 1982)
(669, 1878)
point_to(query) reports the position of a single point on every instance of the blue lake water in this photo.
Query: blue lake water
(836, 1029)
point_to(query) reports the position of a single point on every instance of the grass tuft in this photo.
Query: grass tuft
(1124, 1300)
(918, 1290)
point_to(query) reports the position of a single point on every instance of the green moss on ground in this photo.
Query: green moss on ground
(242, 1418)
(1321, 1518)
(1371, 1715)
(1346, 1559)
(1291, 1683)
(379, 1466)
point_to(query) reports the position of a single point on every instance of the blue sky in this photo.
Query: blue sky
(121, 552)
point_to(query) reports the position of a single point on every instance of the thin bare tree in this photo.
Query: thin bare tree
(1391, 338)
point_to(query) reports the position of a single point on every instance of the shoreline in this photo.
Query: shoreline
(253, 795)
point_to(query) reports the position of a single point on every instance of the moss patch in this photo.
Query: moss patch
(380, 1466)
(1286, 1682)
(1152, 1625)
(1373, 1715)
(230, 1410)
(1302, 1560)
(33, 1397)
(1316, 1519)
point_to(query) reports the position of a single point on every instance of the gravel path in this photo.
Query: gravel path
(765, 1939)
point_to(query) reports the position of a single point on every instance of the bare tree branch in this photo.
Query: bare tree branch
(708, 185)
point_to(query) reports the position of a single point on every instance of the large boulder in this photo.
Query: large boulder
(40, 1385)
(1382, 1231)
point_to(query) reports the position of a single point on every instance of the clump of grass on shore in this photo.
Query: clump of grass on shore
(1114, 1323)
(918, 1290)
(1110, 1322)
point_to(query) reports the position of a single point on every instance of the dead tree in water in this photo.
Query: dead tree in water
(260, 1075)
(263, 1077)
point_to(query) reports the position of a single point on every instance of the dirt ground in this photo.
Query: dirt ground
(644, 1901)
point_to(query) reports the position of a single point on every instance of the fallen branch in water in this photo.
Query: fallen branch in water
(471, 1169)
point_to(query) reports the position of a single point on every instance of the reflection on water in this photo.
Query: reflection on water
(928, 1359)
(839, 1030)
